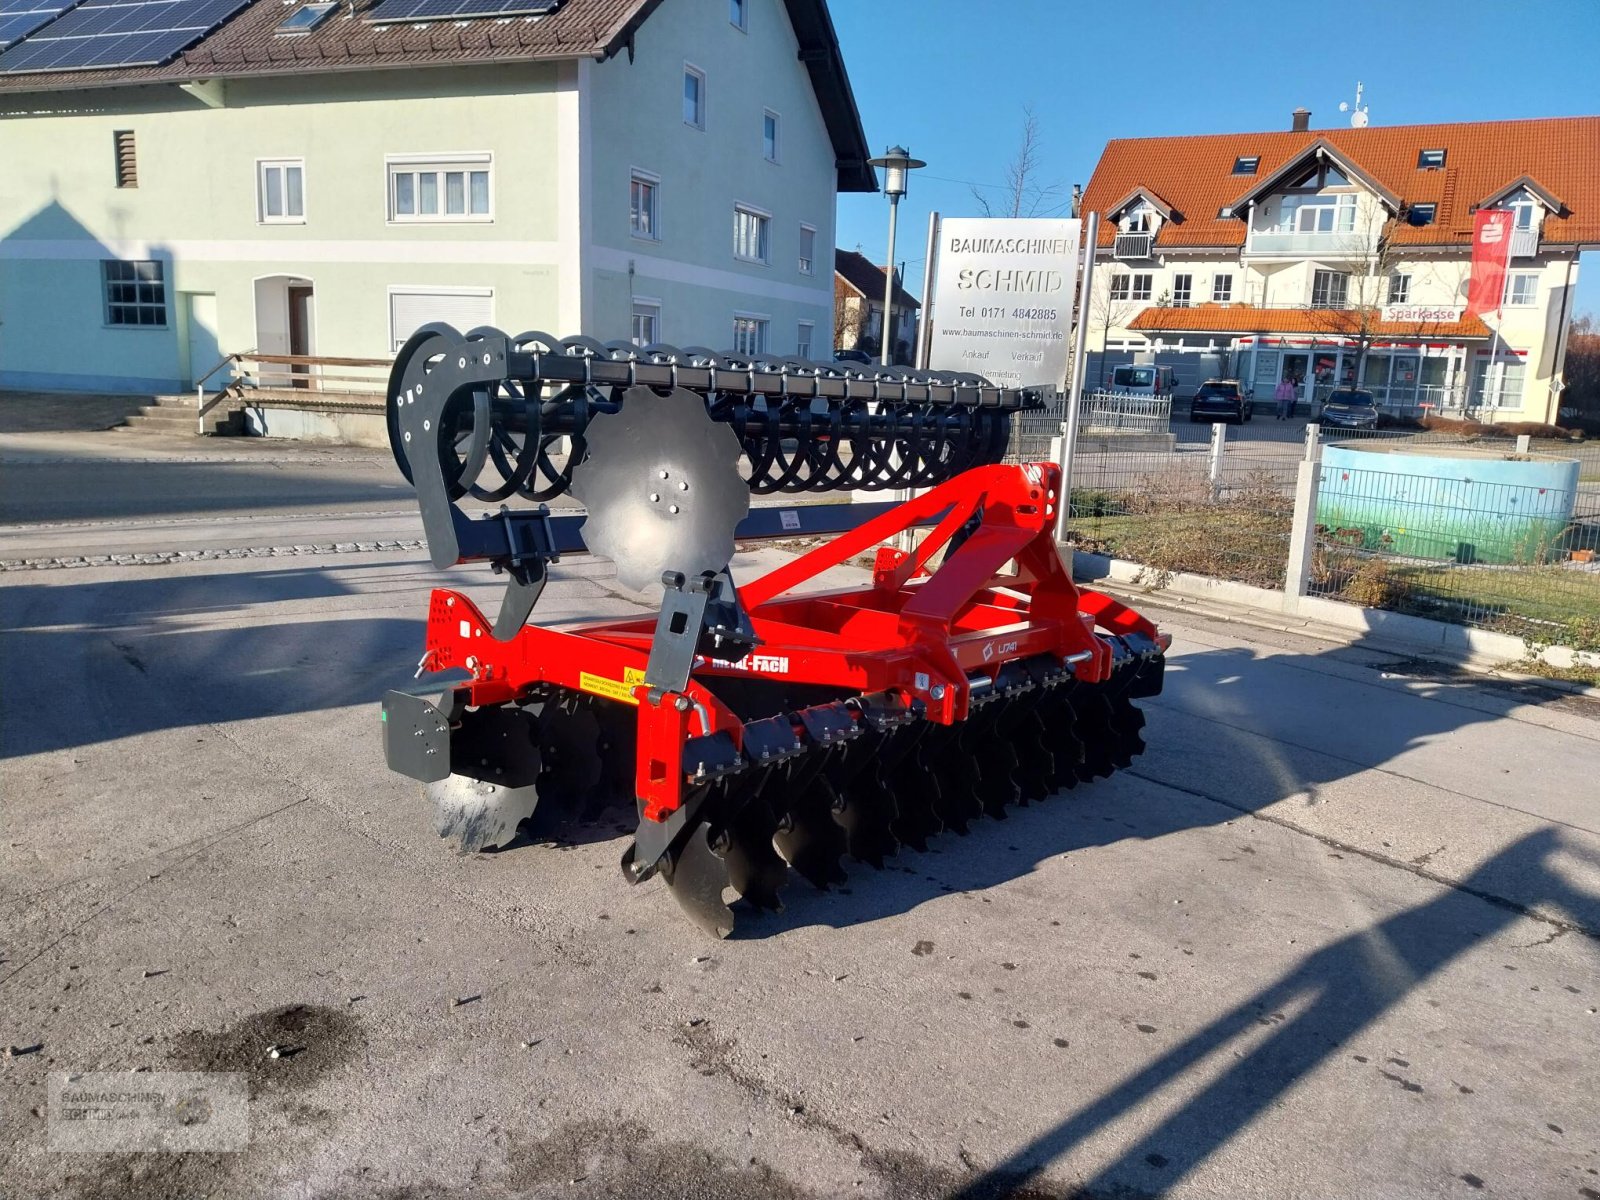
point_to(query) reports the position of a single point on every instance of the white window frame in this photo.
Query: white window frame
(432, 289)
(762, 323)
(805, 339)
(1399, 288)
(466, 163)
(1222, 288)
(1526, 296)
(1334, 286)
(263, 165)
(1492, 389)
(1186, 288)
(1526, 212)
(653, 315)
(1297, 212)
(653, 182)
(739, 15)
(1132, 285)
(765, 217)
(700, 102)
(148, 292)
(807, 263)
(777, 135)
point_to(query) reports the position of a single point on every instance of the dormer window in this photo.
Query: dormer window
(1421, 214)
(1525, 208)
(1246, 164)
(1140, 218)
(1430, 160)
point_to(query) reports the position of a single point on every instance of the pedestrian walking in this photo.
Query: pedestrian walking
(1284, 395)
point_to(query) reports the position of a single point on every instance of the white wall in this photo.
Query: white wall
(637, 122)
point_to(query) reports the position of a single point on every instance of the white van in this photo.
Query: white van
(1144, 381)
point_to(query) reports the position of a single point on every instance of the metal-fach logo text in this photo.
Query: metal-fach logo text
(765, 664)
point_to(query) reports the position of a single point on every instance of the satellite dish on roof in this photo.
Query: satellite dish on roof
(1358, 118)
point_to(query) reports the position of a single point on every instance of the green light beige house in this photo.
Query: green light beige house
(319, 178)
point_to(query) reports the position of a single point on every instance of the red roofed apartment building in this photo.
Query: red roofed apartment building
(1318, 254)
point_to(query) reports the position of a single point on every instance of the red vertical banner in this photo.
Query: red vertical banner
(1491, 251)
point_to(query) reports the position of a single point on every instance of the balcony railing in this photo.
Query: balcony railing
(1311, 245)
(1133, 245)
(1524, 243)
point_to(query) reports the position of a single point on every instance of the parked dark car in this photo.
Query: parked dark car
(1349, 408)
(1220, 400)
(855, 356)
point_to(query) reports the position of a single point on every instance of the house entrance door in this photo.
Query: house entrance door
(302, 321)
(1297, 366)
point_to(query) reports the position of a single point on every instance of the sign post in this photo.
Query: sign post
(1080, 363)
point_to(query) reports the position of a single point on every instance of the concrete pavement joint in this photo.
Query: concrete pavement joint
(144, 883)
(209, 518)
(161, 558)
(1558, 925)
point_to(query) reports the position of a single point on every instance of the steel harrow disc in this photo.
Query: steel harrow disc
(884, 788)
(538, 766)
(494, 788)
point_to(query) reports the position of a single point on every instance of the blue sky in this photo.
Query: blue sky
(949, 79)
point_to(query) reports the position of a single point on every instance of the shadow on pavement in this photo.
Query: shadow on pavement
(115, 659)
(65, 412)
(1340, 989)
(38, 485)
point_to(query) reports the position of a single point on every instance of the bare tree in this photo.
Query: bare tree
(1356, 316)
(1024, 195)
(1580, 395)
(846, 321)
(1106, 314)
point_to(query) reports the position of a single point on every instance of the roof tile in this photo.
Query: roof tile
(1332, 322)
(1195, 174)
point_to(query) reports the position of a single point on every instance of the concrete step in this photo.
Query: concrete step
(176, 415)
(219, 422)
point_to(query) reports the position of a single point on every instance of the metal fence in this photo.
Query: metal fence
(1115, 412)
(1220, 501)
(1103, 414)
(1518, 558)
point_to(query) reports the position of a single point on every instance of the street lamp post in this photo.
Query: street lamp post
(896, 162)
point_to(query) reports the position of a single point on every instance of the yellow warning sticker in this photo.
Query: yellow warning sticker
(612, 689)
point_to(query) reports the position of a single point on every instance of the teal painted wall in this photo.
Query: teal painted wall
(1458, 505)
(195, 209)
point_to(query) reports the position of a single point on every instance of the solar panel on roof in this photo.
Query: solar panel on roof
(117, 33)
(19, 18)
(396, 12)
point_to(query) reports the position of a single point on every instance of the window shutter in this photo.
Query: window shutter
(409, 311)
(127, 159)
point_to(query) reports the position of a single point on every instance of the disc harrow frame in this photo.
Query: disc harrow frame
(767, 725)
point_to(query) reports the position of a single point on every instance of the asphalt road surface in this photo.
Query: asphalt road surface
(1333, 935)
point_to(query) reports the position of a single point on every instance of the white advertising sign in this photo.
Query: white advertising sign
(1002, 298)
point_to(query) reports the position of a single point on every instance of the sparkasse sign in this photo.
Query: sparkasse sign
(1002, 298)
